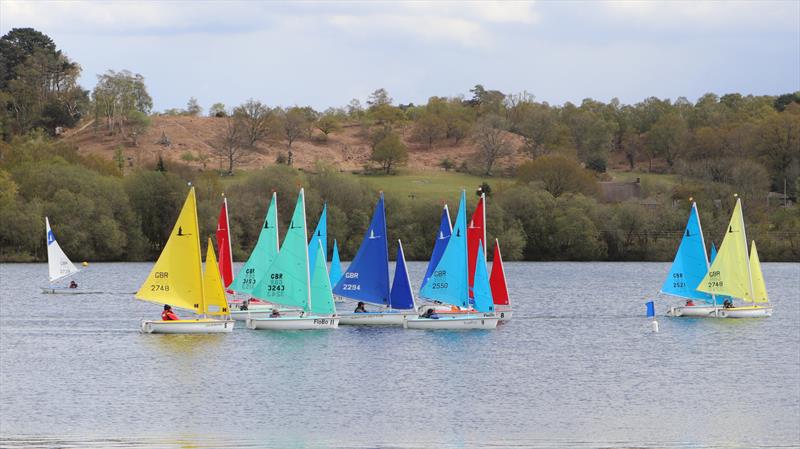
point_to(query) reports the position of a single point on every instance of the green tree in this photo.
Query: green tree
(492, 142)
(217, 110)
(390, 152)
(429, 128)
(117, 95)
(558, 175)
(193, 108)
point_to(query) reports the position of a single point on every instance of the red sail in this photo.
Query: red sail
(498, 278)
(476, 232)
(224, 246)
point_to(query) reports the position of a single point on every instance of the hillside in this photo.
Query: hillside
(193, 141)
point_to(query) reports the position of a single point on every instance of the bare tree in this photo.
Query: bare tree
(254, 119)
(493, 144)
(296, 123)
(231, 142)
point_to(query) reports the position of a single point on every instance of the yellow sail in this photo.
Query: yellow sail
(729, 273)
(215, 302)
(176, 278)
(759, 287)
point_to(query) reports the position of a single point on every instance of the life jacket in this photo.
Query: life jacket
(167, 315)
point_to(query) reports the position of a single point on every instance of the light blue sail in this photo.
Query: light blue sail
(321, 295)
(264, 253)
(690, 265)
(402, 298)
(442, 237)
(320, 235)
(448, 283)
(367, 277)
(336, 265)
(481, 289)
(713, 254)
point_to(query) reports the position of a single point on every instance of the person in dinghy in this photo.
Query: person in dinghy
(168, 314)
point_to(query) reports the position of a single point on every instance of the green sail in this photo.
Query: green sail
(321, 294)
(263, 254)
(286, 280)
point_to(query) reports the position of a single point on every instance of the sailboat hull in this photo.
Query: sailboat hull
(375, 318)
(502, 312)
(453, 322)
(261, 312)
(65, 291)
(720, 312)
(200, 326)
(293, 323)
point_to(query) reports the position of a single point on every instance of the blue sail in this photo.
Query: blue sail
(367, 277)
(402, 297)
(713, 254)
(336, 265)
(320, 235)
(445, 229)
(690, 265)
(448, 283)
(481, 289)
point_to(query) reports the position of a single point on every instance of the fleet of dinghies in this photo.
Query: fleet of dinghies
(718, 281)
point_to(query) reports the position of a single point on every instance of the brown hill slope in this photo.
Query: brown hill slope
(192, 140)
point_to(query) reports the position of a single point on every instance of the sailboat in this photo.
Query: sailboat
(289, 281)
(367, 278)
(224, 245)
(449, 283)
(497, 280)
(178, 279)
(58, 265)
(687, 270)
(737, 274)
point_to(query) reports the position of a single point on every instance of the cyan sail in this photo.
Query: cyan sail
(367, 277)
(286, 281)
(481, 289)
(264, 253)
(442, 237)
(336, 265)
(448, 283)
(321, 295)
(402, 296)
(320, 235)
(713, 253)
(690, 264)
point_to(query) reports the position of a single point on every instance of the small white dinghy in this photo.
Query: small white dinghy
(59, 267)
(264, 312)
(177, 278)
(453, 322)
(289, 282)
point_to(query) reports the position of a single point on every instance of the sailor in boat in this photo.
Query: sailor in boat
(360, 308)
(275, 314)
(689, 303)
(431, 314)
(168, 314)
(728, 304)
(73, 284)
(244, 305)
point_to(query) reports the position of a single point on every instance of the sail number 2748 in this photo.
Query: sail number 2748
(160, 287)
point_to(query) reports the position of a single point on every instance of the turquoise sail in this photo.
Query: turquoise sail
(445, 229)
(481, 289)
(448, 283)
(320, 235)
(336, 265)
(286, 280)
(690, 265)
(402, 298)
(263, 254)
(367, 277)
(321, 294)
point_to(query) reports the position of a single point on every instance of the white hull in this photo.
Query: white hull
(504, 313)
(453, 322)
(375, 318)
(293, 323)
(720, 312)
(201, 326)
(65, 291)
(243, 315)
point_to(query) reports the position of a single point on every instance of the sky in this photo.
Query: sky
(324, 54)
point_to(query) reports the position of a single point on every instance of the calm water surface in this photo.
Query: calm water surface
(577, 367)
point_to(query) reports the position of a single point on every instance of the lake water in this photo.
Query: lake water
(577, 367)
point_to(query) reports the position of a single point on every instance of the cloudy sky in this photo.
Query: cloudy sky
(324, 54)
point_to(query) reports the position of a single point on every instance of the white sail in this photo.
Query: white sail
(58, 262)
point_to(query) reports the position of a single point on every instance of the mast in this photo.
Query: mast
(305, 239)
(483, 209)
(199, 254)
(228, 230)
(703, 241)
(746, 252)
(466, 242)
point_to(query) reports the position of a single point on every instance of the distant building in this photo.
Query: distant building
(617, 192)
